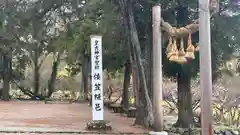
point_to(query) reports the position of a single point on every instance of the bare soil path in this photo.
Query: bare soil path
(33, 116)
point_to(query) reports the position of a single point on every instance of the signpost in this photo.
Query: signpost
(98, 122)
(97, 78)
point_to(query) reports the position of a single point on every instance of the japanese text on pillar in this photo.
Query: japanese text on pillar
(97, 83)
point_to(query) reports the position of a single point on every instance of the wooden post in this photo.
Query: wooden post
(205, 68)
(97, 86)
(97, 78)
(157, 69)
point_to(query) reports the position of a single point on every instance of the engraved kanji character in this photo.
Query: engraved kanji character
(97, 107)
(96, 76)
(97, 96)
(97, 86)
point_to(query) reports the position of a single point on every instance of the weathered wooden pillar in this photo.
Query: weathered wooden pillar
(157, 69)
(205, 67)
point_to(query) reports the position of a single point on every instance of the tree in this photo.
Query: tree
(39, 33)
(126, 27)
(6, 49)
(99, 18)
(28, 25)
(145, 102)
(177, 14)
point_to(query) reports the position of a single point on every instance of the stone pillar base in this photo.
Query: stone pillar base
(99, 125)
(158, 133)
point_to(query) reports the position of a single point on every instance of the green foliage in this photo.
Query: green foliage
(100, 17)
(80, 18)
(224, 31)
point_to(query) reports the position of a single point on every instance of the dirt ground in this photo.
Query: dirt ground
(31, 116)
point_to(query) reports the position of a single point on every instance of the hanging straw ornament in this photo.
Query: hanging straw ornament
(170, 48)
(182, 30)
(197, 48)
(190, 49)
(181, 53)
(174, 56)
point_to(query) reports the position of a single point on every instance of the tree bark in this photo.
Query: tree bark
(126, 84)
(135, 81)
(53, 77)
(140, 103)
(185, 112)
(145, 105)
(36, 73)
(85, 71)
(7, 64)
(148, 119)
(148, 67)
(36, 80)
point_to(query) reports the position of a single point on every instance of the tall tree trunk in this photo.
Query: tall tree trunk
(145, 106)
(148, 119)
(139, 97)
(85, 71)
(7, 63)
(53, 77)
(83, 75)
(126, 84)
(185, 113)
(135, 81)
(148, 67)
(36, 73)
(36, 80)
(131, 56)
